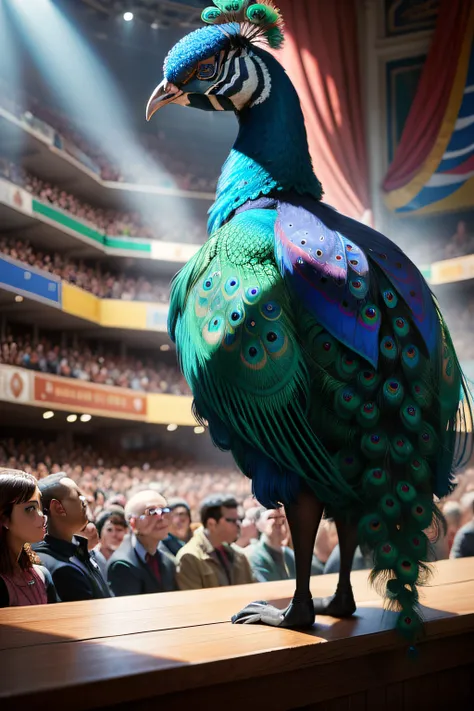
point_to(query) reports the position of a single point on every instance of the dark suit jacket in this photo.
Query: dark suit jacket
(128, 575)
(75, 572)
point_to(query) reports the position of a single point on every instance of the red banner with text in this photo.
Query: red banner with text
(91, 398)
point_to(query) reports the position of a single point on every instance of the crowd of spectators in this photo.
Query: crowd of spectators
(159, 525)
(108, 477)
(108, 222)
(103, 283)
(159, 160)
(92, 277)
(99, 365)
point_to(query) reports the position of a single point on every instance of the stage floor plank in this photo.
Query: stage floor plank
(179, 646)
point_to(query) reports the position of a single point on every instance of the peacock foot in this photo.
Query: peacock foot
(342, 604)
(298, 615)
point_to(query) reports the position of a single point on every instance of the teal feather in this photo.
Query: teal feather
(292, 402)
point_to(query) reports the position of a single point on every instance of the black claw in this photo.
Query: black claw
(338, 605)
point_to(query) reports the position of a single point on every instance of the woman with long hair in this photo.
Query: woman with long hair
(22, 580)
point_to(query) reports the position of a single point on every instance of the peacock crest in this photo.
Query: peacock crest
(259, 22)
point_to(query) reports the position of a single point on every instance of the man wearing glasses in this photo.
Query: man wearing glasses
(75, 572)
(140, 564)
(210, 559)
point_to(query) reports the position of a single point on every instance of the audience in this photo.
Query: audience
(91, 277)
(74, 570)
(248, 528)
(119, 472)
(180, 526)
(157, 159)
(84, 363)
(22, 580)
(140, 565)
(160, 552)
(269, 558)
(113, 223)
(111, 527)
(210, 560)
(89, 531)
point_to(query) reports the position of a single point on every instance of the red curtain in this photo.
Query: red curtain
(432, 96)
(321, 57)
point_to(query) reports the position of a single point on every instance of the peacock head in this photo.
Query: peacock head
(220, 67)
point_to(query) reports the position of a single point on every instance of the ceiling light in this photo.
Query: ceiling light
(199, 430)
(71, 418)
(128, 16)
(172, 428)
(164, 347)
(48, 415)
(86, 418)
(18, 299)
(155, 26)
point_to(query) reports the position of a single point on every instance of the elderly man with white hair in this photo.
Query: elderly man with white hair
(140, 564)
(269, 558)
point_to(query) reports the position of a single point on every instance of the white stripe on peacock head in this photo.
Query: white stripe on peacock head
(221, 67)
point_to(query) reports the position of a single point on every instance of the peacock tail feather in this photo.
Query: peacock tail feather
(313, 346)
(374, 439)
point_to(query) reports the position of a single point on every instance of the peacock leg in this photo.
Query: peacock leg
(342, 603)
(304, 516)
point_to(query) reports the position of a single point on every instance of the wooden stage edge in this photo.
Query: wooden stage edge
(179, 650)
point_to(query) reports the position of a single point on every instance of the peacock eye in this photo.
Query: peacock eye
(187, 74)
(207, 69)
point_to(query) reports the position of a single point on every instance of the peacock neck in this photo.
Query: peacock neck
(270, 153)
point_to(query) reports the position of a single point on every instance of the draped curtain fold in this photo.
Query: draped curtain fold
(429, 106)
(321, 57)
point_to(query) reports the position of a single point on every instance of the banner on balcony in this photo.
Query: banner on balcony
(433, 168)
(76, 396)
(30, 282)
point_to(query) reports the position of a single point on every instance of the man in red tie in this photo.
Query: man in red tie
(140, 564)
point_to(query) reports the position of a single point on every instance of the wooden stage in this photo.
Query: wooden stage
(179, 651)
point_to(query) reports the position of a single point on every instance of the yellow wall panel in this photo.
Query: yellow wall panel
(123, 314)
(166, 409)
(80, 303)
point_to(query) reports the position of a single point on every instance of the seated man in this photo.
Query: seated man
(75, 572)
(269, 558)
(180, 526)
(209, 559)
(140, 564)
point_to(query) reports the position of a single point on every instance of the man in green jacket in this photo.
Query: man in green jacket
(269, 558)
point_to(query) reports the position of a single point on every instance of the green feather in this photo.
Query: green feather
(275, 37)
(254, 377)
(211, 15)
(229, 6)
(262, 14)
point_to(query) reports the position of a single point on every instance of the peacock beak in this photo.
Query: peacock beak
(165, 93)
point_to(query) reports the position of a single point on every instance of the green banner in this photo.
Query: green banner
(130, 244)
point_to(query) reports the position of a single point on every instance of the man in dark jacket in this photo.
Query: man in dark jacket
(74, 570)
(141, 564)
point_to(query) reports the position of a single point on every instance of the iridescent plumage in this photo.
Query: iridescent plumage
(314, 348)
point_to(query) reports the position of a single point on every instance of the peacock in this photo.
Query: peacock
(315, 351)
